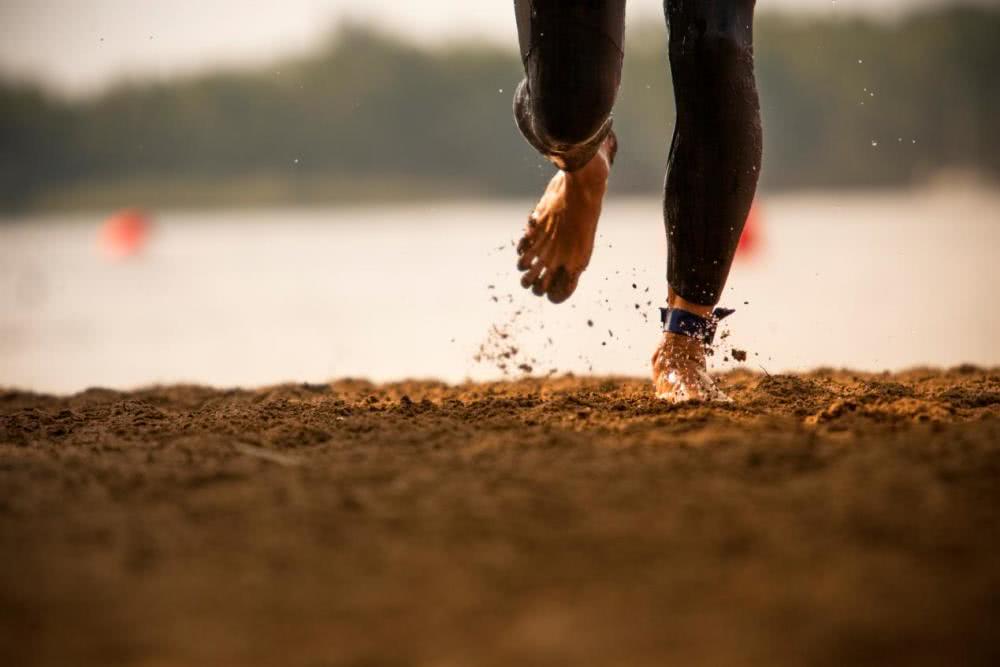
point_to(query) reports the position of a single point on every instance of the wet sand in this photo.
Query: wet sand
(829, 518)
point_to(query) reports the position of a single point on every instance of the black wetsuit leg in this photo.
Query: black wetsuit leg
(572, 55)
(715, 157)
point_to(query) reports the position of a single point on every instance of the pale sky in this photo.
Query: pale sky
(81, 45)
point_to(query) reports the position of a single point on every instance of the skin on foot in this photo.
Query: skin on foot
(680, 371)
(559, 240)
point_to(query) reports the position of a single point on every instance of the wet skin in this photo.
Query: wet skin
(680, 373)
(556, 248)
(680, 370)
(559, 240)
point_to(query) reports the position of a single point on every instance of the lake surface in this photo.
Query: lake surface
(871, 281)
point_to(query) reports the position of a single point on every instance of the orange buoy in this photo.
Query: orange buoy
(125, 233)
(752, 238)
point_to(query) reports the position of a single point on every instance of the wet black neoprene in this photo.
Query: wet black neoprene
(572, 55)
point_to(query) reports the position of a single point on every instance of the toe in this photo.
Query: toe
(562, 285)
(546, 282)
(531, 274)
(539, 284)
(528, 239)
(524, 261)
(540, 246)
(545, 249)
(524, 245)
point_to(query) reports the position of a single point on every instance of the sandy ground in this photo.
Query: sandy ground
(827, 519)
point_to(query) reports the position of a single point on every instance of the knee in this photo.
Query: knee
(576, 114)
(565, 128)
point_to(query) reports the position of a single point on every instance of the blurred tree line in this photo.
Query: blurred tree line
(846, 102)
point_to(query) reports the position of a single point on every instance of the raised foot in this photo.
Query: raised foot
(680, 373)
(559, 240)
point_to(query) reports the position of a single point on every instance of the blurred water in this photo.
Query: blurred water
(870, 281)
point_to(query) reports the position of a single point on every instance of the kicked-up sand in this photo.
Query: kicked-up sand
(830, 518)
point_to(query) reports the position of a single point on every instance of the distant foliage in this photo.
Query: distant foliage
(846, 103)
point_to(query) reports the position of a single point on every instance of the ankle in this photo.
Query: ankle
(675, 300)
(593, 175)
(679, 348)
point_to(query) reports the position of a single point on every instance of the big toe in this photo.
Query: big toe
(562, 285)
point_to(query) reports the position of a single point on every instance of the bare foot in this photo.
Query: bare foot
(559, 240)
(680, 373)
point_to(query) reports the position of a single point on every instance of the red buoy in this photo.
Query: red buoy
(751, 240)
(125, 233)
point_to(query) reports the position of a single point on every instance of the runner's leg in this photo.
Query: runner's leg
(572, 54)
(715, 157)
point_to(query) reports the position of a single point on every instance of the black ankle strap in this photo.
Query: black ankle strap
(686, 323)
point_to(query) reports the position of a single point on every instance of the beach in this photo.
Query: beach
(828, 517)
